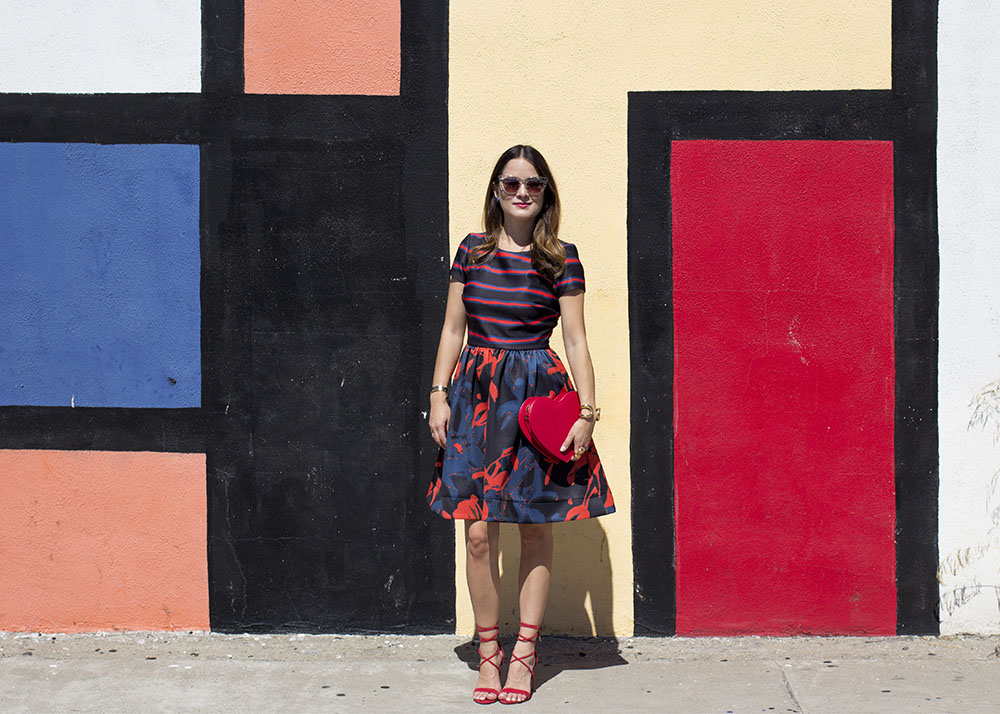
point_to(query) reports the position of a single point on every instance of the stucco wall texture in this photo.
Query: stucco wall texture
(101, 274)
(562, 86)
(96, 46)
(102, 539)
(97, 540)
(783, 387)
(969, 367)
(321, 47)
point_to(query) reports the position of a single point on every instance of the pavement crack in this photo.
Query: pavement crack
(788, 687)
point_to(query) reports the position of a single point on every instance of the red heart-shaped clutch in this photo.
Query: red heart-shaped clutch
(545, 422)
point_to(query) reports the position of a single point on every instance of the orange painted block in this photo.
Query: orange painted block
(321, 46)
(100, 540)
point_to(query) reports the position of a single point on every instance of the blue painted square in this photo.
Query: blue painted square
(99, 275)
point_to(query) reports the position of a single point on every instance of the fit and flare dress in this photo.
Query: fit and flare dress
(489, 471)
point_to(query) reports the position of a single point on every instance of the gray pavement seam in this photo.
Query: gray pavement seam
(788, 686)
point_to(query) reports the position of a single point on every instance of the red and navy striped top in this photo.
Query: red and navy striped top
(509, 304)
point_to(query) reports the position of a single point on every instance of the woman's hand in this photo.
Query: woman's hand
(439, 416)
(578, 437)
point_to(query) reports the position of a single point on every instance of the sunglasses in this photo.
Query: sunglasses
(534, 185)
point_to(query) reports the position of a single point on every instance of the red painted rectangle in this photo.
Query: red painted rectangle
(783, 387)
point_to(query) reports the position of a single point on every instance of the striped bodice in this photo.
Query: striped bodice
(508, 304)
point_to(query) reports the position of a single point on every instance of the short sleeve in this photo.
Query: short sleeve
(572, 277)
(460, 266)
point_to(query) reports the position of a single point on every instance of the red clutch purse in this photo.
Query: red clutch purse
(545, 422)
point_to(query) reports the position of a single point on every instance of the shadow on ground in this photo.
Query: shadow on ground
(557, 654)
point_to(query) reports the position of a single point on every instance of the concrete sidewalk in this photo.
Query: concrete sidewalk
(168, 672)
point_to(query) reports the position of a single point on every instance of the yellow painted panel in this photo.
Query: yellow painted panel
(557, 75)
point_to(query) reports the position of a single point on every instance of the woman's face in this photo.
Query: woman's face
(520, 204)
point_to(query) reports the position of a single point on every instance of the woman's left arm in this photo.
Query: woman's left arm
(581, 367)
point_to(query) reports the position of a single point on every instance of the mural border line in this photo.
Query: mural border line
(916, 282)
(102, 429)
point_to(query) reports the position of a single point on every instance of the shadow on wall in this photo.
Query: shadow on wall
(581, 599)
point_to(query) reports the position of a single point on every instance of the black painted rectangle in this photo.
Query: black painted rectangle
(328, 310)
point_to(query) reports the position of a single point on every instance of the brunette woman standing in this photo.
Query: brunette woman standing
(509, 286)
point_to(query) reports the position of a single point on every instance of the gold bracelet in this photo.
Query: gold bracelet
(595, 414)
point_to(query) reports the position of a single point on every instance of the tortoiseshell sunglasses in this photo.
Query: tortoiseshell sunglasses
(533, 184)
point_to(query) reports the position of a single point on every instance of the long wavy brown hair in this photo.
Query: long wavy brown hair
(548, 256)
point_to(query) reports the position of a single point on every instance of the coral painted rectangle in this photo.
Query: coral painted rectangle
(94, 540)
(322, 47)
(783, 387)
(100, 280)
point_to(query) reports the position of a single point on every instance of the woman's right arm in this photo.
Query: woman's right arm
(449, 348)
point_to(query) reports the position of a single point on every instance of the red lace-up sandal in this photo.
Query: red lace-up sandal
(482, 660)
(530, 667)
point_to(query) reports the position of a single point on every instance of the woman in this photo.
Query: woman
(509, 286)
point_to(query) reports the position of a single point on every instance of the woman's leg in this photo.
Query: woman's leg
(482, 568)
(534, 577)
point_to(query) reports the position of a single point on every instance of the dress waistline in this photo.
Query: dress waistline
(483, 345)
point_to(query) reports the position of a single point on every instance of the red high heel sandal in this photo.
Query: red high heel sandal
(531, 668)
(479, 649)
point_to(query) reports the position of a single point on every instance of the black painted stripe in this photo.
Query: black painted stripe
(651, 350)
(916, 278)
(222, 47)
(102, 429)
(101, 118)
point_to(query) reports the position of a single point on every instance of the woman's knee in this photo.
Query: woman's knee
(477, 540)
(536, 536)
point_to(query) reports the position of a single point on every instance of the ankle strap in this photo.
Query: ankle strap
(532, 638)
(481, 630)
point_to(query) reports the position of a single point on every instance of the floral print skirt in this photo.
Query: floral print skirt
(489, 471)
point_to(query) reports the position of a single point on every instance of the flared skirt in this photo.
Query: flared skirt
(488, 470)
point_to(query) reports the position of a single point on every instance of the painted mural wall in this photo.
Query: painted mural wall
(226, 239)
(214, 289)
(607, 114)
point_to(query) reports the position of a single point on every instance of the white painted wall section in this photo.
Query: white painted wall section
(100, 46)
(969, 364)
